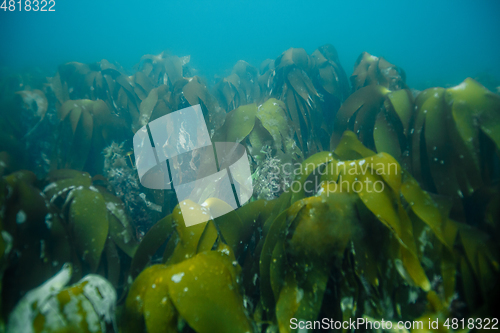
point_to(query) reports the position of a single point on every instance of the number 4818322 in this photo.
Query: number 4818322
(28, 5)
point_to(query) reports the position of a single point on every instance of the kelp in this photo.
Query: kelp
(371, 70)
(73, 192)
(102, 80)
(68, 221)
(259, 126)
(202, 291)
(331, 81)
(85, 127)
(164, 84)
(234, 229)
(239, 88)
(396, 221)
(164, 68)
(454, 140)
(320, 243)
(268, 135)
(296, 78)
(287, 282)
(38, 237)
(193, 91)
(290, 83)
(381, 119)
(444, 137)
(191, 271)
(123, 95)
(416, 212)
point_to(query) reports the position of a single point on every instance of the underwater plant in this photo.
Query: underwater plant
(404, 211)
(268, 135)
(291, 78)
(378, 204)
(164, 68)
(85, 127)
(311, 248)
(455, 141)
(369, 70)
(380, 118)
(290, 83)
(444, 137)
(65, 219)
(239, 88)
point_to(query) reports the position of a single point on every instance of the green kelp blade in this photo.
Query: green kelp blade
(424, 207)
(160, 314)
(300, 300)
(310, 165)
(470, 284)
(472, 101)
(365, 101)
(61, 185)
(276, 231)
(408, 252)
(439, 154)
(81, 142)
(88, 218)
(402, 103)
(235, 231)
(133, 315)
(288, 302)
(112, 270)
(205, 293)
(120, 228)
(257, 211)
(386, 138)
(147, 106)
(278, 268)
(208, 237)
(384, 203)
(281, 204)
(189, 236)
(238, 125)
(380, 203)
(363, 120)
(350, 148)
(258, 138)
(272, 116)
(152, 241)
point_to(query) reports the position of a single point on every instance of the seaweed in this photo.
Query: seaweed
(381, 119)
(64, 219)
(370, 203)
(239, 88)
(371, 70)
(290, 79)
(454, 140)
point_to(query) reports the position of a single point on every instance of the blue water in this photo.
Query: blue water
(435, 42)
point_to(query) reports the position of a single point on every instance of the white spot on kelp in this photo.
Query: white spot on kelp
(177, 277)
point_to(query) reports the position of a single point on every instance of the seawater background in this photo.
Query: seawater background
(436, 42)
